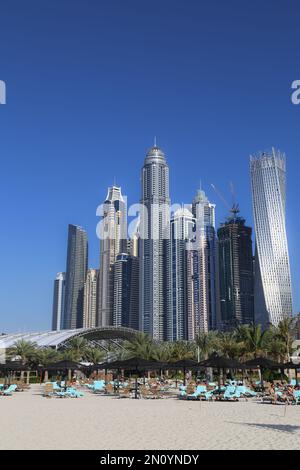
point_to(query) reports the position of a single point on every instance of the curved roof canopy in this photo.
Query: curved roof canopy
(59, 338)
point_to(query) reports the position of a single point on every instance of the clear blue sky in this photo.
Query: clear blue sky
(89, 83)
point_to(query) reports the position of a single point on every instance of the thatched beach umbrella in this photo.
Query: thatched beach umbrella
(221, 363)
(292, 365)
(184, 365)
(135, 364)
(262, 363)
(65, 366)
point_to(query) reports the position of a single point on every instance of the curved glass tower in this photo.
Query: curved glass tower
(273, 291)
(154, 245)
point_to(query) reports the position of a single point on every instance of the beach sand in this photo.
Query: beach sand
(30, 421)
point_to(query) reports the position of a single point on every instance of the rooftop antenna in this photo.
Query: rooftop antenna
(155, 143)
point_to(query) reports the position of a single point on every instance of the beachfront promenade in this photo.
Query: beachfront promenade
(31, 421)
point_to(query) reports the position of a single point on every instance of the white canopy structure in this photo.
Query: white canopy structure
(58, 339)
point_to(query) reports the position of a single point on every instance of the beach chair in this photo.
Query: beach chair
(156, 392)
(99, 386)
(146, 392)
(109, 389)
(297, 396)
(200, 391)
(9, 391)
(48, 390)
(74, 393)
(124, 392)
(242, 391)
(21, 386)
(230, 394)
(55, 386)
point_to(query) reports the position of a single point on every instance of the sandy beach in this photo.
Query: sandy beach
(30, 421)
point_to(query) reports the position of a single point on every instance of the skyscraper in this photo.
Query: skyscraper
(206, 245)
(77, 262)
(236, 272)
(126, 291)
(182, 225)
(90, 299)
(193, 292)
(58, 301)
(154, 244)
(273, 290)
(113, 241)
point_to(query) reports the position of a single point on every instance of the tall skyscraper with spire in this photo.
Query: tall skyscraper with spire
(273, 289)
(154, 244)
(113, 241)
(77, 263)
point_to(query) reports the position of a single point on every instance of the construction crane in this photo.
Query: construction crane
(234, 208)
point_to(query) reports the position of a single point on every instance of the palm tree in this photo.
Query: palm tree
(46, 356)
(181, 350)
(206, 344)
(141, 346)
(25, 350)
(253, 339)
(162, 352)
(76, 348)
(275, 347)
(285, 332)
(94, 355)
(228, 345)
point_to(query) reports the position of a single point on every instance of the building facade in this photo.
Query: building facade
(273, 289)
(58, 301)
(235, 273)
(155, 293)
(206, 246)
(113, 241)
(181, 227)
(126, 291)
(90, 299)
(77, 262)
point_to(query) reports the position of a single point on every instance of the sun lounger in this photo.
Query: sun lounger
(124, 392)
(109, 389)
(99, 386)
(230, 393)
(198, 393)
(74, 393)
(48, 390)
(9, 391)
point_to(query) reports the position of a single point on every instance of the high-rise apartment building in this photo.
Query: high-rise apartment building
(206, 246)
(77, 262)
(182, 226)
(236, 272)
(58, 301)
(90, 299)
(154, 246)
(113, 241)
(126, 291)
(273, 289)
